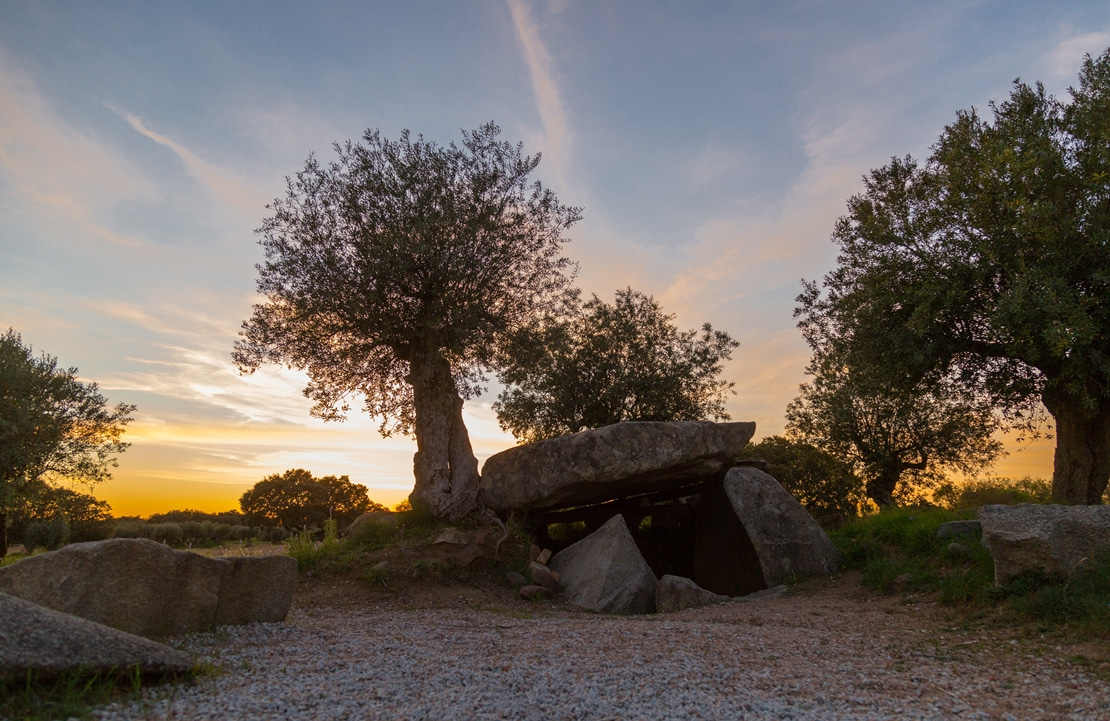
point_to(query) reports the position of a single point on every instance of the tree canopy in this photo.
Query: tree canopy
(819, 480)
(987, 268)
(597, 363)
(52, 427)
(295, 500)
(901, 441)
(394, 273)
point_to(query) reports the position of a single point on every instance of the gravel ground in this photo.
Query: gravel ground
(832, 653)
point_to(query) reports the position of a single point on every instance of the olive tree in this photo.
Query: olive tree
(52, 427)
(988, 266)
(597, 363)
(394, 273)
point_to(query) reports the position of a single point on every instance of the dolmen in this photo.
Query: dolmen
(736, 530)
(147, 589)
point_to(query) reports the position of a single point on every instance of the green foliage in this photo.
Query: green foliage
(901, 440)
(993, 490)
(595, 364)
(52, 426)
(228, 518)
(820, 481)
(984, 271)
(394, 274)
(49, 535)
(70, 695)
(897, 551)
(295, 500)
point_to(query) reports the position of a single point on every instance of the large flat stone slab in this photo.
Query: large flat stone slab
(610, 462)
(49, 643)
(1049, 539)
(145, 588)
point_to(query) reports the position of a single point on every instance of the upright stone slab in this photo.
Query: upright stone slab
(609, 462)
(145, 588)
(605, 572)
(786, 539)
(49, 643)
(1046, 538)
(256, 589)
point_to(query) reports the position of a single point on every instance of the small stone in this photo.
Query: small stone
(959, 528)
(544, 576)
(515, 579)
(531, 593)
(453, 536)
(533, 552)
(958, 549)
(544, 557)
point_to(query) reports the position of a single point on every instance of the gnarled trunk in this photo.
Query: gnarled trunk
(880, 488)
(1081, 466)
(445, 467)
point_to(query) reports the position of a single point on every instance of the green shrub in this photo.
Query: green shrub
(169, 533)
(130, 529)
(278, 534)
(994, 491)
(50, 535)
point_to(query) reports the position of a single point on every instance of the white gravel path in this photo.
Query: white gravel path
(780, 659)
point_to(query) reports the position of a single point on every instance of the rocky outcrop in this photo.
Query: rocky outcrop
(610, 462)
(1044, 538)
(145, 588)
(675, 593)
(605, 572)
(48, 642)
(771, 528)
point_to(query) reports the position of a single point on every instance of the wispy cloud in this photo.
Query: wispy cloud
(545, 87)
(215, 179)
(1065, 58)
(57, 171)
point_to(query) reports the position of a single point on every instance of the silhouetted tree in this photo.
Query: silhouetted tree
(52, 426)
(395, 272)
(295, 499)
(988, 268)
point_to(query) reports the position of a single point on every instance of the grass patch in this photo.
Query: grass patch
(897, 551)
(70, 695)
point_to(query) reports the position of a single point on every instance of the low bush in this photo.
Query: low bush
(995, 490)
(897, 551)
(48, 535)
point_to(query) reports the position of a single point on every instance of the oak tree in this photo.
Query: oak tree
(988, 267)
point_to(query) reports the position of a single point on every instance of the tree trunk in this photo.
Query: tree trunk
(3, 534)
(880, 488)
(1081, 466)
(445, 467)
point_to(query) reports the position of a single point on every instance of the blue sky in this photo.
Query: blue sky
(711, 145)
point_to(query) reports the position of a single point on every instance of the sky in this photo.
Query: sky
(711, 145)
